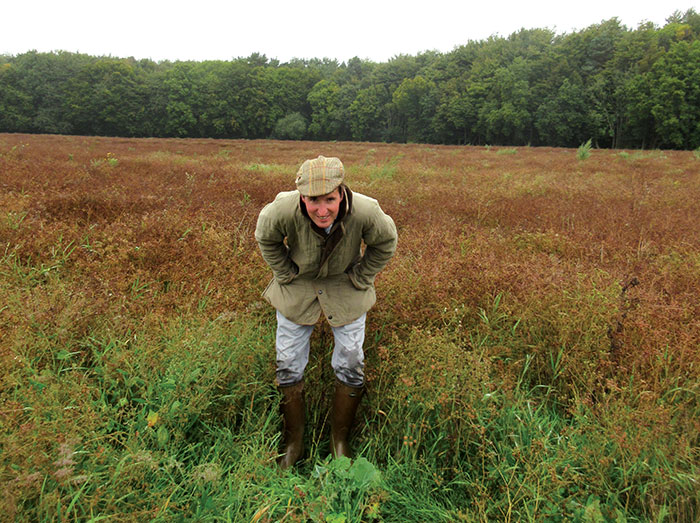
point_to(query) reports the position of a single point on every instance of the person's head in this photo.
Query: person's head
(319, 181)
(323, 209)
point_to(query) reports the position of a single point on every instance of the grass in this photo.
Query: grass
(584, 151)
(386, 171)
(532, 355)
(510, 150)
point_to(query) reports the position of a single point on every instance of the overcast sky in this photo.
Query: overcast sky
(370, 29)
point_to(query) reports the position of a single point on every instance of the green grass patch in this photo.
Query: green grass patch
(266, 168)
(507, 151)
(584, 151)
(386, 171)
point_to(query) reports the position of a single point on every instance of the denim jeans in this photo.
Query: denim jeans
(292, 344)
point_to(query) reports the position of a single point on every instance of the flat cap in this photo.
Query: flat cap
(320, 176)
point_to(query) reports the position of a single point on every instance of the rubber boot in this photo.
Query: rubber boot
(345, 402)
(293, 415)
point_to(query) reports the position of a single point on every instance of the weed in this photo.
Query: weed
(507, 151)
(261, 167)
(16, 151)
(14, 219)
(644, 155)
(584, 151)
(387, 171)
(531, 355)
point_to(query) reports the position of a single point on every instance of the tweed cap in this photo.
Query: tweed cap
(320, 176)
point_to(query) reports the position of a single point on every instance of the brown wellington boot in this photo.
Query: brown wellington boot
(293, 414)
(345, 402)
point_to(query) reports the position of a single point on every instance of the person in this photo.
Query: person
(312, 238)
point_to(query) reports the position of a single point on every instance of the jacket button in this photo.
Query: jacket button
(330, 317)
(320, 292)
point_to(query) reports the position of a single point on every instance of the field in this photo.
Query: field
(533, 355)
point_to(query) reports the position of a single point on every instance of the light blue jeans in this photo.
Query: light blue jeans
(293, 346)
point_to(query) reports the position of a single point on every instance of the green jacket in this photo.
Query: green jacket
(316, 272)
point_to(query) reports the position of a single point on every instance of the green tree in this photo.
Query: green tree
(291, 127)
(44, 77)
(620, 87)
(368, 113)
(357, 71)
(690, 18)
(326, 117)
(505, 115)
(183, 108)
(235, 84)
(455, 114)
(286, 90)
(107, 98)
(259, 115)
(415, 102)
(15, 103)
(565, 118)
(674, 90)
(346, 97)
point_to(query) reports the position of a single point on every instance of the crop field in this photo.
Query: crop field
(533, 354)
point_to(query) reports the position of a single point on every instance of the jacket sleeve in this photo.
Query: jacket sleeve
(380, 238)
(270, 234)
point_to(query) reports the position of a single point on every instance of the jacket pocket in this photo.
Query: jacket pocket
(353, 279)
(290, 278)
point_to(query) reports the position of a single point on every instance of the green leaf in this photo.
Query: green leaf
(152, 418)
(319, 471)
(341, 464)
(363, 472)
(162, 436)
(592, 513)
(194, 375)
(37, 385)
(63, 354)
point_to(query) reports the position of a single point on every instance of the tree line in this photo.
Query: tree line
(620, 87)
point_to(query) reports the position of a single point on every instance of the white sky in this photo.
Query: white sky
(222, 30)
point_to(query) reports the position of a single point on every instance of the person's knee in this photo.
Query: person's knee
(349, 365)
(292, 347)
(351, 377)
(286, 376)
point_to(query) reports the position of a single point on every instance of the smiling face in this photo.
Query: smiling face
(323, 210)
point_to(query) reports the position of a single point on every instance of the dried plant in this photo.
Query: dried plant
(533, 352)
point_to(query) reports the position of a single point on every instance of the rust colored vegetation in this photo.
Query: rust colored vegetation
(535, 345)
